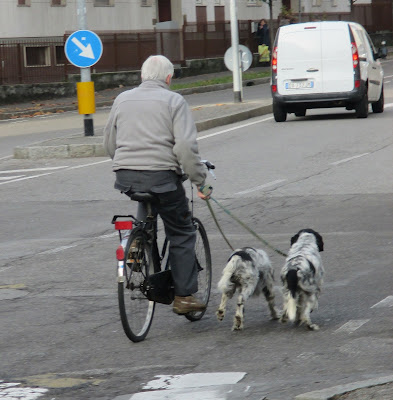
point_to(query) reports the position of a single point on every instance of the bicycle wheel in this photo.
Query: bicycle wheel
(136, 311)
(204, 263)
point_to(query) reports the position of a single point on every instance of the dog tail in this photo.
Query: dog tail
(292, 282)
(225, 284)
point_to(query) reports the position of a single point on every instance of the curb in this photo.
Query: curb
(92, 145)
(331, 393)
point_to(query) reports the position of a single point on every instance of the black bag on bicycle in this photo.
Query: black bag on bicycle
(160, 287)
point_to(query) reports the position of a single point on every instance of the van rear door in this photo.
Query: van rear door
(299, 59)
(337, 63)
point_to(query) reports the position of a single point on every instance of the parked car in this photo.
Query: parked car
(322, 65)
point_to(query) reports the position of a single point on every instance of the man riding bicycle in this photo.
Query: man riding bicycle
(151, 137)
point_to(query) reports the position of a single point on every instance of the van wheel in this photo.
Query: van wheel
(301, 113)
(378, 105)
(279, 112)
(362, 107)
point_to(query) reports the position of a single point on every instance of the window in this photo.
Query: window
(316, 3)
(253, 3)
(60, 56)
(103, 3)
(24, 3)
(146, 3)
(37, 56)
(58, 2)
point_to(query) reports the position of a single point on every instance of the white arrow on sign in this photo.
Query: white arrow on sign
(87, 51)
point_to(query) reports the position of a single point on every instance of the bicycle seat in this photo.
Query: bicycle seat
(143, 197)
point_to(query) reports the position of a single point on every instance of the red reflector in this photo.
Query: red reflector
(120, 253)
(310, 27)
(357, 84)
(274, 88)
(121, 225)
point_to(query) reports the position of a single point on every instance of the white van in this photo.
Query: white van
(325, 64)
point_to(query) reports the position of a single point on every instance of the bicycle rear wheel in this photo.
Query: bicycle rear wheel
(204, 264)
(136, 311)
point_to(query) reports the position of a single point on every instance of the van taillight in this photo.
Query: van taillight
(274, 60)
(355, 55)
(274, 88)
(357, 83)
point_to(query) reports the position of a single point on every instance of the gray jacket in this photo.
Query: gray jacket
(151, 128)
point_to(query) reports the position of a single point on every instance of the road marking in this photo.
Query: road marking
(202, 386)
(50, 173)
(12, 171)
(5, 158)
(388, 105)
(234, 128)
(58, 249)
(7, 178)
(348, 159)
(387, 302)
(261, 186)
(11, 391)
(194, 380)
(352, 325)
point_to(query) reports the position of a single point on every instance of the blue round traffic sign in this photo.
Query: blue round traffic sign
(83, 48)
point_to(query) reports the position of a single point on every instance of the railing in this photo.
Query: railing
(40, 60)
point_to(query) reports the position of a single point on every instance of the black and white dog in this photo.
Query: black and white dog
(302, 277)
(250, 272)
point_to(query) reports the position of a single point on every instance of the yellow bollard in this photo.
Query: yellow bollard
(86, 101)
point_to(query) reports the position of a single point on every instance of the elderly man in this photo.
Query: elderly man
(151, 137)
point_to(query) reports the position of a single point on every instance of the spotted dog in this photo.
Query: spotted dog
(301, 277)
(250, 272)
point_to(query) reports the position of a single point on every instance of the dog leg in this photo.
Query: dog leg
(239, 316)
(284, 315)
(268, 292)
(221, 309)
(306, 314)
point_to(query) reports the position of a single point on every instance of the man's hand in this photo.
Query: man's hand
(204, 192)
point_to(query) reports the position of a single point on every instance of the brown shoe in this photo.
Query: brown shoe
(184, 305)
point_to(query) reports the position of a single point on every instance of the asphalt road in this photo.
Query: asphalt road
(60, 325)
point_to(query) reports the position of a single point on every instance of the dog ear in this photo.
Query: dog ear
(319, 241)
(294, 239)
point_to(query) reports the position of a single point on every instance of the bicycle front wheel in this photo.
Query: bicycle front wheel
(136, 311)
(204, 265)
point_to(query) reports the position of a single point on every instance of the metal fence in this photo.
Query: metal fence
(40, 60)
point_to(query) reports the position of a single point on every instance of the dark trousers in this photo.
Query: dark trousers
(172, 206)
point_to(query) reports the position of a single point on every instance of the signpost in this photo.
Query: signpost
(83, 49)
(245, 57)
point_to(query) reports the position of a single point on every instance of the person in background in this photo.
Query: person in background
(263, 34)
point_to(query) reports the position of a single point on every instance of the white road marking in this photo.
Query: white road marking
(387, 302)
(31, 170)
(50, 173)
(387, 81)
(11, 391)
(234, 128)
(189, 386)
(388, 105)
(58, 249)
(5, 158)
(7, 178)
(352, 325)
(194, 380)
(109, 235)
(348, 159)
(388, 76)
(261, 186)
(27, 177)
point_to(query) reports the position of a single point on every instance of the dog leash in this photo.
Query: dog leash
(242, 224)
(218, 225)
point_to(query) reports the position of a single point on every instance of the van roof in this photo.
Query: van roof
(317, 24)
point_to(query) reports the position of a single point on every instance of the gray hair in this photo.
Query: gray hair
(156, 68)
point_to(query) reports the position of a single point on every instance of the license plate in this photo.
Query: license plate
(299, 85)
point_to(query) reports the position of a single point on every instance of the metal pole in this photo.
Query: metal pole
(235, 51)
(300, 11)
(85, 72)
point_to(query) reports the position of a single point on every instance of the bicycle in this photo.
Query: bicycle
(143, 272)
